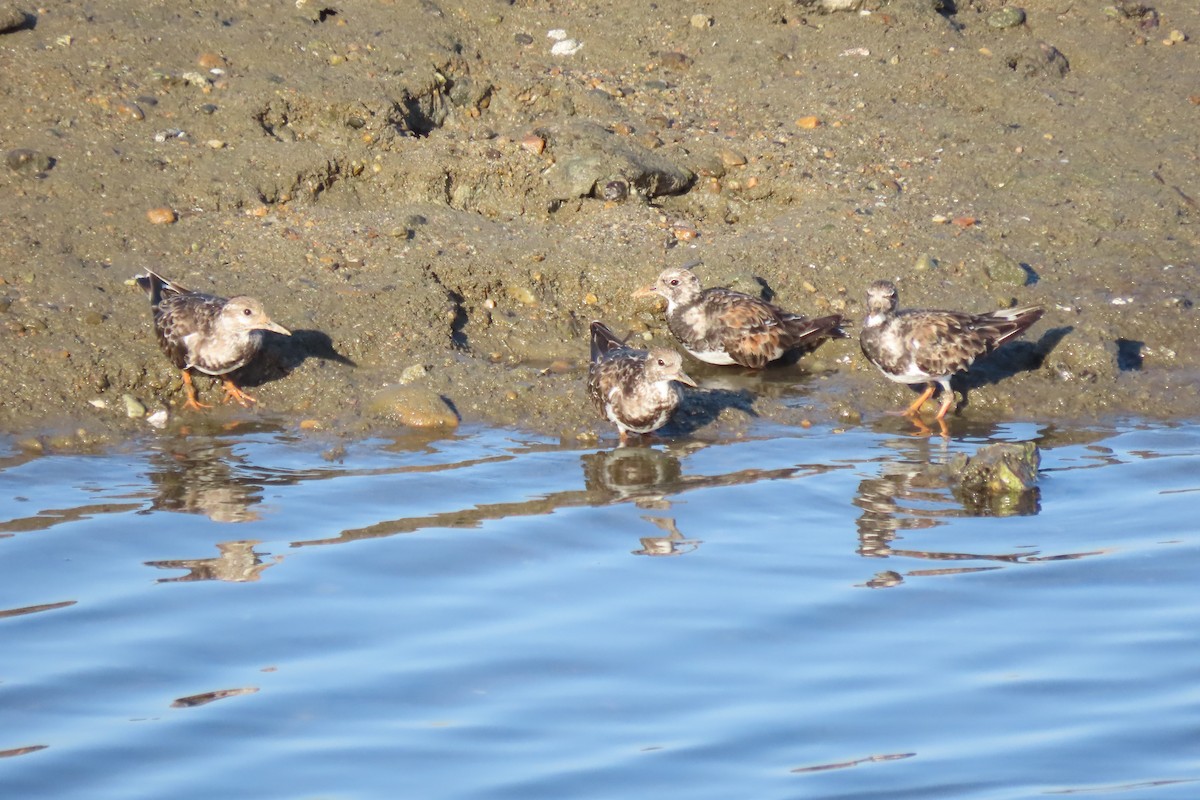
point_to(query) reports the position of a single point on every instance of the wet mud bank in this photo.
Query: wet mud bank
(437, 198)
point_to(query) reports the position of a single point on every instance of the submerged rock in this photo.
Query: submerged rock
(1000, 479)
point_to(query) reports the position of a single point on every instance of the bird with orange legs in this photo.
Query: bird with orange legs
(203, 333)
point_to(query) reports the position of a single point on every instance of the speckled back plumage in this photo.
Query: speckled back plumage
(724, 326)
(634, 389)
(916, 346)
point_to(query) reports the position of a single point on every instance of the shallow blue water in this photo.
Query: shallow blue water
(796, 614)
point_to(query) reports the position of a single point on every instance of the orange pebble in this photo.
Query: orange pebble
(161, 216)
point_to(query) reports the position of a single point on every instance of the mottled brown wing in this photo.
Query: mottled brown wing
(178, 316)
(751, 331)
(616, 368)
(942, 342)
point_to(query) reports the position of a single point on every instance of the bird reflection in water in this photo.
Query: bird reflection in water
(673, 544)
(237, 563)
(644, 475)
(199, 476)
(914, 492)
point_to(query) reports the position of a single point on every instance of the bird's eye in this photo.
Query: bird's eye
(247, 311)
(674, 281)
(662, 363)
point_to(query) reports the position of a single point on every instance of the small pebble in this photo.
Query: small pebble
(210, 61)
(676, 61)
(701, 21)
(1007, 17)
(533, 143)
(413, 373)
(808, 123)
(522, 295)
(134, 409)
(196, 79)
(732, 158)
(523, 39)
(215, 144)
(161, 215)
(925, 262)
(131, 110)
(566, 47)
(158, 419)
(28, 162)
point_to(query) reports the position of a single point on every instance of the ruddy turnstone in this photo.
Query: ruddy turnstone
(723, 326)
(635, 389)
(204, 333)
(922, 346)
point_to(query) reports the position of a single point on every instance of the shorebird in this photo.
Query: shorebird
(207, 334)
(723, 326)
(926, 346)
(635, 389)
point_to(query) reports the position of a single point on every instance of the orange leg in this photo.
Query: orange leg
(949, 401)
(915, 408)
(232, 392)
(191, 401)
(925, 430)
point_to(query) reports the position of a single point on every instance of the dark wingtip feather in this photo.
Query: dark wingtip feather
(152, 283)
(603, 340)
(831, 326)
(1017, 322)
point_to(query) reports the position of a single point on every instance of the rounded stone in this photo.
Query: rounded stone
(28, 162)
(1007, 17)
(415, 406)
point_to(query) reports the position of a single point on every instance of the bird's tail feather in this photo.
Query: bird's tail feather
(603, 340)
(156, 286)
(1003, 325)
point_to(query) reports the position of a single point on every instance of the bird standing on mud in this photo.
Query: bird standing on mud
(208, 334)
(925, 346)
(723, 326)
(635, 389)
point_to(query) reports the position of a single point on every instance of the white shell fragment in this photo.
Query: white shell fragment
(566, 47)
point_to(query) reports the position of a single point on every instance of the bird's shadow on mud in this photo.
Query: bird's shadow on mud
(1010, 359)
(700, 407)
(281, 355)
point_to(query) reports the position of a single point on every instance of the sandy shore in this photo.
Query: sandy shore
(438, 197)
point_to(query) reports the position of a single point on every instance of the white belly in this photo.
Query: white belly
(719, 357)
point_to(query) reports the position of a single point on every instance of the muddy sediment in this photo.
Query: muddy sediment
(441, 196)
